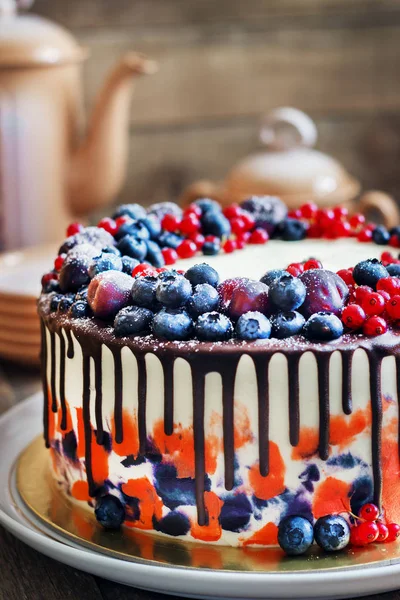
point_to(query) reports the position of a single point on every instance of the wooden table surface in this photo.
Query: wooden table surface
(25, 574)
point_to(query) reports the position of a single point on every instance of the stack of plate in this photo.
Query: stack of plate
(20, 275)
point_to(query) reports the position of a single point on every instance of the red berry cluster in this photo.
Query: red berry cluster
(369, 527)
(297, 268)
(331, 223)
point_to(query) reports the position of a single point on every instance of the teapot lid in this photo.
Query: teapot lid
(291, 168)
(29, 40)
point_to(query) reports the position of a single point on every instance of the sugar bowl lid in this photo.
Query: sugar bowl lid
(29, 40)
(290, 167)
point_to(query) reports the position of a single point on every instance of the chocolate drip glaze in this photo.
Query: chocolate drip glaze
(119, 432)
(294, 414)
(43, 363)
(54, 407)
(262, 366)
(63, 424)
(98, 382)
(222, 358)
(323, 361)
(347, 360)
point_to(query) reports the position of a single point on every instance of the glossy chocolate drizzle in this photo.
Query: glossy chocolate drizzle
(204, 359)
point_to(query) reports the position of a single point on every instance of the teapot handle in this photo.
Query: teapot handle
(380, 203)
(286, 128)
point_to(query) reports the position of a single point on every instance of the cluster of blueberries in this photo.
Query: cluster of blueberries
(296, 534)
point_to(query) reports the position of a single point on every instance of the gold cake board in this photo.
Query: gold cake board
(43, 499)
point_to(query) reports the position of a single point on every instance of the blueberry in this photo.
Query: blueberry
(169, 240)
(109, 512)
(213, 327)
(267, 211)
(111, 250)
(55, 301)
(253, 326)
(286, 324)
(134, 211)
(270, 276)
(75, 270)
(154, 255)
(332, 533)
(295, 535)
(128, 264)
(65, 304)
(173, 290)
(95, 236)
(380, 235)
(323, 327)
(82, 293)
(106, 262)
(395, 231)
(144, 291)
(291, 230)
(50, 286)
(132, 320)
(393, 270)
(79, 309)
(215, 223)
(287, 292)
(131, 246)
(134, 228)
(165, 208)
(210, 248)
(206, 204)
(172, 324)
(153, 226)
(369, 272)
(202, 273)
(205, 298)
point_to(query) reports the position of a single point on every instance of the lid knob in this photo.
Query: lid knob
(285, 128)
(9, 7)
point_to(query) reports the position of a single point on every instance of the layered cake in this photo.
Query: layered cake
(210, 374)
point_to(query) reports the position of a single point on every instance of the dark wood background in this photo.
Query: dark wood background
(225, 62)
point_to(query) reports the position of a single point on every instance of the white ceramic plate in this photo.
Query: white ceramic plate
(23, 423)
(21, 271)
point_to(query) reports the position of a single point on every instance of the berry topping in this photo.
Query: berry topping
(369, 272)
(373, 304)
(229, 246)
(393, 307)
(172, 324)
(211, 247)
(144, 291)
(292, 230)
(80, 309)
(365, 235)
(323, 327)
(105, 262)
(186, 249)
(165, 208)
(393, 532)
(332, 533)
(226, 289)
(215, 223)
(272, 275)
(259, 236)
(369, 512)
(391, 285)
(109, 225)
(375, 326)
(353, 316)
(129, 264)
(170, 256)
(99, 238)
(267, 211)
(312, 263)
(295, 535)
(75, 269)
(380, 235)
(364, 533)
(253, 326)
(347, 276)
(59, 261)
(286, 324)
(287, 292)
(393, 270)
(309, 210)
(109, 512)
(205, 298)
(325, 292)
(74, 228)
(383, 532)
(134, 211)
(108, 292)
(202, 273)
(133, 247)
(213, 327)
(206, 205)
(248, 296)
(173, 290)
(171, 223)
(295, 269)
(189, 224)
(154, 255)
(153, 226)
(132, 320)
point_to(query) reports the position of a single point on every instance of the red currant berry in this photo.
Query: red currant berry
(325, 218)
(312, 263)
(383, 532)
(369, 512)
(249, 220)
(186, 249)
(353, 316)
(170, 223)
(339, 229)
(368, 532)
(170, 256)
(355, 539)
(309, 210)
(391, 285)
(393, 532)
(238, 225)
(232, 211)
(192, 209)
(109, 225)
(347, 276)
(198, 239)
(229, 246)
(144, 269)
(365, 235)
(49, 277)
(161, 269)
(314, 232)
(385, 295)
(259, 236)
(373, 304)
(361, 291)
(393, 308)
(59, 261)
(356, 221)
(295, 269)
(295, 214)
(394, 241)
(340, 213)
(375, 326)
(211, 238)
(386, 257)
(189, 224)
(74, 228)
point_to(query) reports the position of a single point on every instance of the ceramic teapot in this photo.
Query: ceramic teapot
(293, 170)
(50, 174)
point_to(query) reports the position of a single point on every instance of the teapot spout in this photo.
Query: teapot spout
(98, 165)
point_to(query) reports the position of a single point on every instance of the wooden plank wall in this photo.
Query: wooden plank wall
(225, 62)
